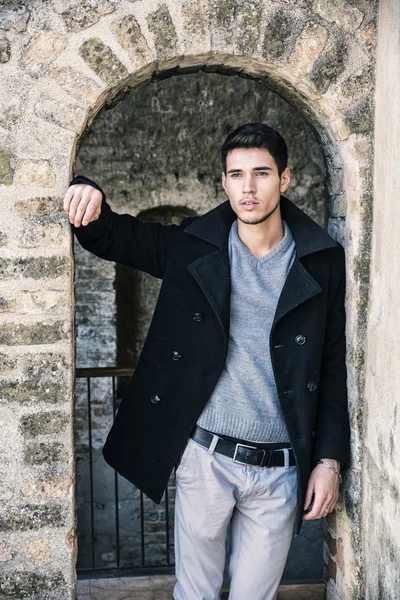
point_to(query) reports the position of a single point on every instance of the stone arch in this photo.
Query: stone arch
(74, 63)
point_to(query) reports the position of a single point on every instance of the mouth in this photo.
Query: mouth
(249, 204)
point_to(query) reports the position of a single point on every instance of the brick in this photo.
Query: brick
(5, 49)
(84, 15)
(24, 584)
(38, 453)
(49, 487)
(29, 517)
(7, 304)
(78, 85)
(6, 171)
(161, 26)
(37, 268)
(33, 391)
(30, 171)
(38, 549)
(103, 61)
(44, 423)
(44, 48)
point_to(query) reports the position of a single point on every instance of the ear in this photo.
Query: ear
(223, 181)
(285, 180)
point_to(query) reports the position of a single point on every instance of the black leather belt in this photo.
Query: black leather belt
(246, 454)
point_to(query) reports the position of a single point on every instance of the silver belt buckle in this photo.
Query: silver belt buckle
(239, 462)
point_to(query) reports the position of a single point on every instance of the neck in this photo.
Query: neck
(263, 237)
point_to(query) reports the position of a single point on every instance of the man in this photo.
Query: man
(242, 376)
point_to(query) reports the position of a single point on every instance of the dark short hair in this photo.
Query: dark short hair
(257, 135)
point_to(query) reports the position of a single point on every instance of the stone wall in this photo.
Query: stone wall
(61, 63)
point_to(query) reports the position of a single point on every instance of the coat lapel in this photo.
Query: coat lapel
(212, 271)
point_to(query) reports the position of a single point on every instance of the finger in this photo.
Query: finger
(68, 197)
(81, 207)
(92, 211)
(320, 502)
(308, 498)
(74, 204)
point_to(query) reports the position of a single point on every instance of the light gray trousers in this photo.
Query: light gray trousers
(210, 491)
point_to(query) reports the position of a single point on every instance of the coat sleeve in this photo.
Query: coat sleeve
(332, 428)
(124, 239)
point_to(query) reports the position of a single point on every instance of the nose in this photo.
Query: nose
(248, 184)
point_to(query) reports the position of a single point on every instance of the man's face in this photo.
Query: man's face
(252, 184)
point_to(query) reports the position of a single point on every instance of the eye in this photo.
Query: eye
(262, 173)
(234, 174)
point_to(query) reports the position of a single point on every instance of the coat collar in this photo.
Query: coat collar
(309, 237)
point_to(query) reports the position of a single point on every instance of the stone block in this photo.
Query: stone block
(43, 49)
(283, 29)
(103, 61)
(308, 47)
(6, 553)
(6, 171)
(7, 304)
(344, 14)
(38, 453)
(39, 549)
(84, 15)
(14, 17)
(33, 391)
(330, 64)
(36, 171)
(44, 423)
(131, 38)
(67, 115)
(12, 334)
(29, 517)
(37, 236)
(3, 239)
(161, 26)
(222, 17)
(26, 584)
(5, 49)
(49, 487)
(50, 301)
(78, 85)
(196, 32)
(45, 267)
(359, 118)
(248, 26)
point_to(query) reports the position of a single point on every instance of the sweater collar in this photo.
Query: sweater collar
(309, 237)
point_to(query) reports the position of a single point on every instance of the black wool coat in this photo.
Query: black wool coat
(187, 341)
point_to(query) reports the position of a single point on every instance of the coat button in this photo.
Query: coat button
(313, 433)
(197, 317)
(311, 385)
(300, 339)
(176, 355)
(155, 399)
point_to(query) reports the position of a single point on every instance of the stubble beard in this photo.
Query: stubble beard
(261, 219)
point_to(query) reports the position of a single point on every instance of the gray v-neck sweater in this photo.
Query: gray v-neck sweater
(244, 403)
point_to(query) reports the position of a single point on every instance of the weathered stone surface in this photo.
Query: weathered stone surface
(223, 14)
(39, 549)
(23, 584)
(32, 171)
(33, 391)
(5, 49)
(3, 239)
(248, 26)
(10, 111)
(37, 453)
(50, 301)
(67, 115)
(82, 16)
(161, 26)
(359, 117)
(103, 61)
(7, 304)
(6, 553)
(131, 38)
(308, 47)
(330, 64)
(344, 14)
(338, 206)
(282, 31)
(6, 171)
(80, 87)
(49, 487)
(44, 423)
(30, 517)
(41, 235)
(44, 48)
(196, 17)
(37, 268)
(14, 17)
(12, 334)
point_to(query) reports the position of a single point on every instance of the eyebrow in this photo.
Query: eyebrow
(255, 169)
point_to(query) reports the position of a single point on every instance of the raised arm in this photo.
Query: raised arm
(120, 238)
